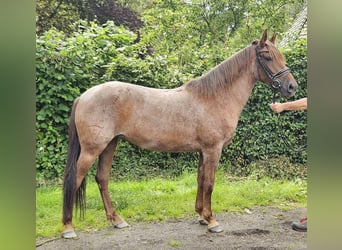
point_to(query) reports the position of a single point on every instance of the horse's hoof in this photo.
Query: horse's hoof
(69, 235)
(122, 224)
(215, 229)
(203, 221)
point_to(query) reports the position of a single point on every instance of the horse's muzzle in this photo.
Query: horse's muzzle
(288, 90)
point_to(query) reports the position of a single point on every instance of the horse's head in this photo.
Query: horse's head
(271, 68)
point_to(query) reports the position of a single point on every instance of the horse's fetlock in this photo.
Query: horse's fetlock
(110, 217)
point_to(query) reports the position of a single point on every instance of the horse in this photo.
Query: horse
(199, 116)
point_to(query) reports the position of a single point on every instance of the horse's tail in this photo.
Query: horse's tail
(69, 185)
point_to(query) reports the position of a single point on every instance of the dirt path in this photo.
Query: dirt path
(260, 228)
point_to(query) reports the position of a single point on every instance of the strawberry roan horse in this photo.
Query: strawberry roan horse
(199, 116)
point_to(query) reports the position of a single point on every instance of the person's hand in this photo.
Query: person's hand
(277, 107)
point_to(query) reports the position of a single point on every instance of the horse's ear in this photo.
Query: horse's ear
(263, 39)
(273, 38)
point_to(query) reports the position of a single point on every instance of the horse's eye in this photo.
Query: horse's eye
(268, 58)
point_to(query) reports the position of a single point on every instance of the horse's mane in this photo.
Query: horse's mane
(220, 77)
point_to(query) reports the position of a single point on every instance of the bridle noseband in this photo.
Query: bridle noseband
(276, 85)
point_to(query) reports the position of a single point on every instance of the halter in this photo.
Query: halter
(273, 77)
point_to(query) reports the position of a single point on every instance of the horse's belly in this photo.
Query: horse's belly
(163, 143)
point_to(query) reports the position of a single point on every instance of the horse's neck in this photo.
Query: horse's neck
(236, 95)
(242, 89)
(235, 98)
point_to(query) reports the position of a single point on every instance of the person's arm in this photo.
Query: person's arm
(300, 104)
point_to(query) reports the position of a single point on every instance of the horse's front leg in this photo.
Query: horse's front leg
(102, 179)
(210, 161)
(199, 197)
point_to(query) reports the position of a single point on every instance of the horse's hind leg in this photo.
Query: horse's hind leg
(102, 179)
(84, 162)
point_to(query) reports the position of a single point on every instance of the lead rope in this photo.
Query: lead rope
(282, 136)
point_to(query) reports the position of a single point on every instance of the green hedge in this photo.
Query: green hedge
(68, 65)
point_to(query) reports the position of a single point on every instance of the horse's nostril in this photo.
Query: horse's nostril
(292, 87)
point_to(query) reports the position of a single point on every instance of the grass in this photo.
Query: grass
(161, 199)
(174, 243)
